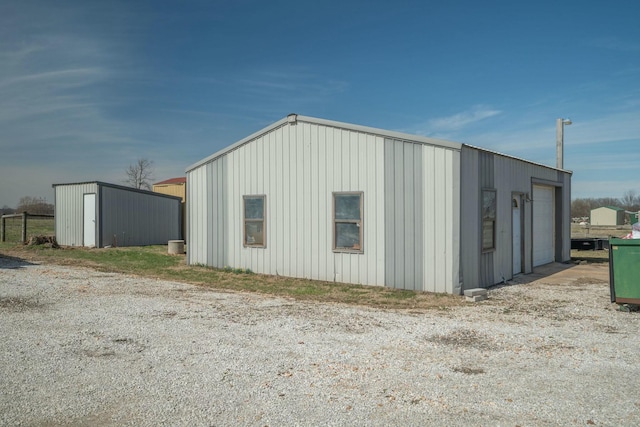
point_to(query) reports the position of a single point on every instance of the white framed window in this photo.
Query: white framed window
(348, 224)
(254, 221)
(489, 205)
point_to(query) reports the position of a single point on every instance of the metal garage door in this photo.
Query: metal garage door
(543, 225)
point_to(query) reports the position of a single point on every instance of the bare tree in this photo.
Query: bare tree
(630, 200)
(35, 206)
(140, 174)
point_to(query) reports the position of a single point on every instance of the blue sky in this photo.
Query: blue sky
(87, 87)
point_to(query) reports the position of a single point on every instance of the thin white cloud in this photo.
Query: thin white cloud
(444, 126)
(285, 82)
(614, 43)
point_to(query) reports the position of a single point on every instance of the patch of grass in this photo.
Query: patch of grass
(35, 227)
(154, 261)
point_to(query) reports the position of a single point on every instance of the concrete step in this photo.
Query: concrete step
(475, 291)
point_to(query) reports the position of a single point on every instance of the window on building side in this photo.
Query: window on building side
(488, 220)
(254, 221)
(347, 222)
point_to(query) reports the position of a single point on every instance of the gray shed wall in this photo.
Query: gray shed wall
(130, 218)
(124, 217)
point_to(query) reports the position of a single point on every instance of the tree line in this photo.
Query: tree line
(32, 205)
(581, 208)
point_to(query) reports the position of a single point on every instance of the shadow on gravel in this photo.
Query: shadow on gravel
(7, 262)
(538, 273)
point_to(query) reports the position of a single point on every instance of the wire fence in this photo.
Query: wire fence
(20, 227)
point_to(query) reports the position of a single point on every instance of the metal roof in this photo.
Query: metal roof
(121, 187)
(295, 118)
(179, 180)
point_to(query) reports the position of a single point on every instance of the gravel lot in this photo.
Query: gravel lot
(80, 347)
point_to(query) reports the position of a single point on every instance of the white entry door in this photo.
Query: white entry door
(517, 235)
(89, 215)
(543, 225)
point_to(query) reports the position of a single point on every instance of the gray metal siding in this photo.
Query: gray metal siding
(68, 222)
(422, 218)
(508, 176)
(486, 179)
(404, 255)
(470, 227)
(216, 218)
(129, 218)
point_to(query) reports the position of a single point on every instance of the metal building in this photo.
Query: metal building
(607, 215)
(319, 199)
(98, 214)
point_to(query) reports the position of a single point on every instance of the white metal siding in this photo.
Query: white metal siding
(197, 214)
(297, 167)
(442, 219)
(69, 202)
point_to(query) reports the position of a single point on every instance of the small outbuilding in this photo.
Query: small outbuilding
(173, 186)
(325, 200)
(98, 214)
(607, 215)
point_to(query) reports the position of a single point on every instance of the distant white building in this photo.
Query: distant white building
(324, 200)
(607, 215)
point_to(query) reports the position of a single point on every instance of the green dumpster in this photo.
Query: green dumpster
(624, 270)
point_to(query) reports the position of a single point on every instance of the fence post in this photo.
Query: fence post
(3, 229)
(24, 227)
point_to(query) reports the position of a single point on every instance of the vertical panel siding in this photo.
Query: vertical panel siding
(403, 174)
(297, 167)
(130, 218)
(69, 208)
(565, 234)
(420, 223)
(197, 224)
(486, 180)
(123, 217)
(508, 176)
(470, 236)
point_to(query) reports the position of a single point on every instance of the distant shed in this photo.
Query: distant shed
(607, 215)
(173, 187)
(98, 214)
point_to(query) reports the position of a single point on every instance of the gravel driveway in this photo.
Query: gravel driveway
(80, 347)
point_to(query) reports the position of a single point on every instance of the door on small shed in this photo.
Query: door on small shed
(517, 233)
(543, 225)
(89, 220)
